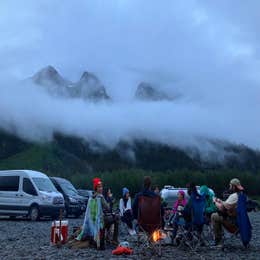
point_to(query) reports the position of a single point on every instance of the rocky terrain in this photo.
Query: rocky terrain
(21, 239)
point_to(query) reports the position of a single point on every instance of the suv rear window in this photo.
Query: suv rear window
(9, 183)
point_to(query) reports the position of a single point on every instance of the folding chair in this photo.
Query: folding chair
(149, 224)
(190, 233)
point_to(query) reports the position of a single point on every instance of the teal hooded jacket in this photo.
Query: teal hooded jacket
(210, 205)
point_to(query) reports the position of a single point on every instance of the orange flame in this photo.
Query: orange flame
(156, 235)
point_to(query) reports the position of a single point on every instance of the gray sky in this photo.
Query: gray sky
(208, 51)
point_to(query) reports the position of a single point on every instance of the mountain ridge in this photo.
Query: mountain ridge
(70, 154)
(89, 87)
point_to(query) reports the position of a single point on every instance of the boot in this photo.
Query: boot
(102, 240)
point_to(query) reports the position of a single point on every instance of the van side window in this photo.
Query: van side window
(28, 187)
(9, 183)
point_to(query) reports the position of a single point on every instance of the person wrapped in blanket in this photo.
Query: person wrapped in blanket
(178, 208)
(126, 212)
(94, 222)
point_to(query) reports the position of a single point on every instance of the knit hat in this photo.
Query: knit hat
(125, 190)
(96, 182)
(236, 182)
(182, 193)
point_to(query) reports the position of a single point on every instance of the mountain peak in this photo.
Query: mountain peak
(48, 72)
(145, 91)
(49, 76)
(50, 79)
(90, 87)
(86, 76)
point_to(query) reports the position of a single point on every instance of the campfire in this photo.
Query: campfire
(158, 235)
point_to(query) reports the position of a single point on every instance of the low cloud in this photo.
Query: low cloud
(205, 53)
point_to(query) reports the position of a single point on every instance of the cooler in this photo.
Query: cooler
(59, 232)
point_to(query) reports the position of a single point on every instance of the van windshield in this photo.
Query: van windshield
(68, 188)
(44, 184)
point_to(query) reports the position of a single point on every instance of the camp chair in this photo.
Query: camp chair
(190, 232)
(243, 228)
(149, 224)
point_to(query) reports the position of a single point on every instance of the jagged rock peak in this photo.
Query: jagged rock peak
(145, 91)
(48, 71)
(90, 87)
(49, 75)
(87, 75)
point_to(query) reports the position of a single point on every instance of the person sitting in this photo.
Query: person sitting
(111, 218)
(167, 218)
(226, 215)
(187, 211)
(147, 191)
(181, 201)
(93, 226)
(156, 190)
(210, 205)
(193, 212)
(178, 208)
(110, 199)
(126, 214)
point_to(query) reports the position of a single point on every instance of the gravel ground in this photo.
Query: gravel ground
(21, 239)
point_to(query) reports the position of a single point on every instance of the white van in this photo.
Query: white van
(28, 193)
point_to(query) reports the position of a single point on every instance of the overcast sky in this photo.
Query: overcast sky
(208, 51)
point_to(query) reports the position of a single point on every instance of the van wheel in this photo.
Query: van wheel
(34, 213)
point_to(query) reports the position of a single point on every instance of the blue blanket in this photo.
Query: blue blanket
(243, 222)
(93, 221)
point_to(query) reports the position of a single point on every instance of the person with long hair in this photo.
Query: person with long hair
(126, 213)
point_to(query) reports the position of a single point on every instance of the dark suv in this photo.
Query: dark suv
(74, 203)
(85, 193)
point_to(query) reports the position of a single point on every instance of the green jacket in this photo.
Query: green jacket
(210, 205)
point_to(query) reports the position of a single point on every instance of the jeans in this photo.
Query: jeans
(128, 218)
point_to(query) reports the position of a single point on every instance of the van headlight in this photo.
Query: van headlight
(47, 198)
